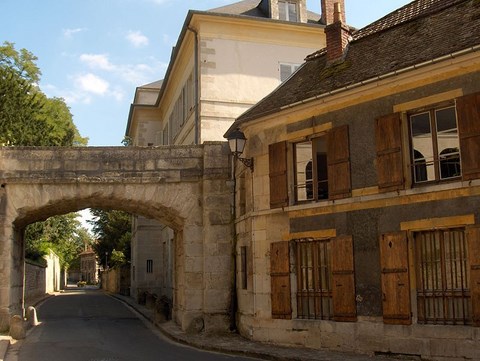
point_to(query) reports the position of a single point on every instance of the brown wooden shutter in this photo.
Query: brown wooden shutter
(278, 175)
(343, 276)
(473, 239)
(395, 278)
(468, 112)
(388, 135)
(280, 280)
(338, 159)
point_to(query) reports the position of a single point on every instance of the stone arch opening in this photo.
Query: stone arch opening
(186, 188)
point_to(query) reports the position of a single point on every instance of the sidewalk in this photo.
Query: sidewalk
(235, 344)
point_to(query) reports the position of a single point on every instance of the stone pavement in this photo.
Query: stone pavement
(235, 344)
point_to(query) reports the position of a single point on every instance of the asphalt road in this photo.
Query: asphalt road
(87, 325)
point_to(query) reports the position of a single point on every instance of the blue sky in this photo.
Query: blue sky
(94, 53)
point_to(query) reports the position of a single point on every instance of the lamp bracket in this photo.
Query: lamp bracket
(248, 162)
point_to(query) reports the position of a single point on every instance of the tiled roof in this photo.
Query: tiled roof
(252, 8)
(409, 12)
(416, 33)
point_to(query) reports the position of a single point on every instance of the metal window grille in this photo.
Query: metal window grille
(149, 266)
(314, 283)
(443, 295)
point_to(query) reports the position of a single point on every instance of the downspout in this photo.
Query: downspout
(196, 87)
(233, 298)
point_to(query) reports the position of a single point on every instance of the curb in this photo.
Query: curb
(4, 344)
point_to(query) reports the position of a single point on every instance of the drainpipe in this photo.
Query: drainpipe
(196, 87)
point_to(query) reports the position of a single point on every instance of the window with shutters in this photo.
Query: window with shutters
(286, 70)
(325, 275)
(288, 10)
(435, 144)
(311, 169)
(314, 279)
(443, 277)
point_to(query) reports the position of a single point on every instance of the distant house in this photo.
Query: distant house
(359, 228)
(89, 266)
(225, 60)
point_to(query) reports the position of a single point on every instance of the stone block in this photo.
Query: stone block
(216, 300)
(193, 300)
(17, 328)
(408, 346)
(468, 349)
(443, 348)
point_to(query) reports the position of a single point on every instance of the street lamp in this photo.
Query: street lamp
(236, 142)
(106, 260)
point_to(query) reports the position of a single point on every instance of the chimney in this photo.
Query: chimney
(328, 7)
(337, 33)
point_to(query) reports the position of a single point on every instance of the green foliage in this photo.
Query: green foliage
(62, 234)
(112, 229)
(27, 116)
(127, 141)
(118, 259)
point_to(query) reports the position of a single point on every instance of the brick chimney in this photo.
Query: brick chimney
(337, 33)
(328, 10)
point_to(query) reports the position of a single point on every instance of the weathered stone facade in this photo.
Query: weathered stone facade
(184, 187)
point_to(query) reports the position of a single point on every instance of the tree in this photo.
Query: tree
(62, 234)
(27, 116)
(112, 229)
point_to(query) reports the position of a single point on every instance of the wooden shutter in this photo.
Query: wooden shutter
(395, 278)
(278, 175)
(473, 239)
(338, 158)
(388, 135)
(280, 280)
(468, 112)
(343, 276)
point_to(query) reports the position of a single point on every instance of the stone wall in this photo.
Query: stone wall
(41, 280)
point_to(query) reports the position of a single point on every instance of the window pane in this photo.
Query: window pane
(304, 171)
(448, 143)
(282, 10)
(320, 149)
(292, 12)
(422, 143)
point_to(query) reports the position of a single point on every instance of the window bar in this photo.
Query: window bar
(421, 274)
(435, 285)
(454, 257)
(443, 281)
(463, 279)
(299, 280)
(315, 265)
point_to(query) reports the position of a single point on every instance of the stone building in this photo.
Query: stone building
(225, 60)
(89, 266)
(359, 227)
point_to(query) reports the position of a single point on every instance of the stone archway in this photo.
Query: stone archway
(186, 188)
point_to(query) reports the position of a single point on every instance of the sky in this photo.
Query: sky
(94, 53)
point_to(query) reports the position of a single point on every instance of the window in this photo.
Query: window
(311, 170)
(149, 266)
(435, 145)
(443, 295)
(165, 135)
(243, 255)
(287, 10)
(286, 70)
(314, 282)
